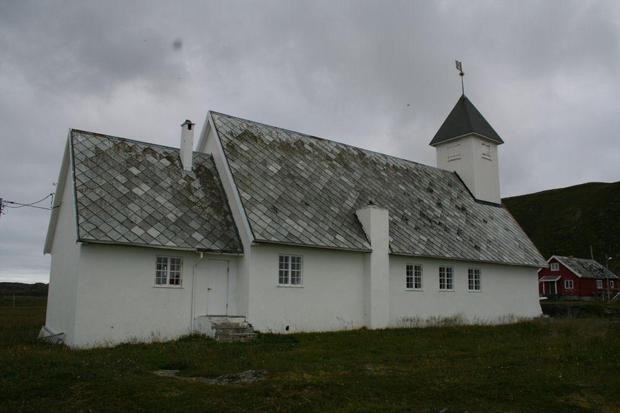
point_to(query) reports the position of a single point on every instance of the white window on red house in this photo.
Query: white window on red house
(568, 284)
(413, 277)
(612, 284)
(168, 271)
(289, 270)
(599, 284)
(446, 279)
(555, 266)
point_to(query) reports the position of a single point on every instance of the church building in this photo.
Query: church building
(273, 230)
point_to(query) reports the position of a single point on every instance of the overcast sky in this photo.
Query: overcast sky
(375, 74)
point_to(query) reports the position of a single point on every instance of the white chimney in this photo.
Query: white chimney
(187, 144)
(376, 224)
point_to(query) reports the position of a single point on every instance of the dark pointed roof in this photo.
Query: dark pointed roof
(465, 119)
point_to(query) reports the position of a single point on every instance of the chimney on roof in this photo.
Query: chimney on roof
(187, 144)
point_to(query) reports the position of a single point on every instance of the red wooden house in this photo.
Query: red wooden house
(576, 277)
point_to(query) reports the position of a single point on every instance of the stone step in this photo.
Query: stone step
(235, 339)
(229, 338)
(228, 330)
(230, 325)
(234, 333)
(236, 328)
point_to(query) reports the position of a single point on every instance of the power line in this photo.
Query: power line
(24, 205)
(4, 204)
(33, 203)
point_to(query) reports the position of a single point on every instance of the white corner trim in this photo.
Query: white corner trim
(202, 141)
(58, 195)
(221, 163)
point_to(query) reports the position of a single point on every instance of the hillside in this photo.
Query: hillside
(567, 221)
(34, 290)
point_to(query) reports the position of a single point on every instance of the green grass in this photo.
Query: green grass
(550, 365)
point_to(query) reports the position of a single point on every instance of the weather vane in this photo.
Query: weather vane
(459, 67)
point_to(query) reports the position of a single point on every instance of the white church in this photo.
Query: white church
(273, 230)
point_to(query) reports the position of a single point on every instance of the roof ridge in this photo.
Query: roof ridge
(335, 142)
(136, 141)
(575, 258)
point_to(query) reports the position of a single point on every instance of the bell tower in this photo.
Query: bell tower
(467, 144)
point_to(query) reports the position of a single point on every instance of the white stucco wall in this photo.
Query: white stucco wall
(62, 294)
(335, 292)
(507, 293)
(480, 174)
(332, 296)
(119, 302)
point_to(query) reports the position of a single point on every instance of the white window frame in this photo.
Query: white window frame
(286, 272)
(471, 280)
(599, 284)
(569, 284)
(612, 284)
(415, 274)
(554, 266)
(447, 273)
(165, 275)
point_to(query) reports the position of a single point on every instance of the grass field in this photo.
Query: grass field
(541, 366)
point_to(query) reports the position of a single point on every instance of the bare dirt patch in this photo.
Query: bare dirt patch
(244, 377)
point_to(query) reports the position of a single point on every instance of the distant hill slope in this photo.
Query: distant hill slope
(566, 221)
(36, 290)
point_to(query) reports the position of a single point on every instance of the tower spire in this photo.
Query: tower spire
(467, 144)
(459, 67)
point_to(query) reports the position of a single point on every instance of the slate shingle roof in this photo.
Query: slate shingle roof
(464, 119)
(586, 268)
(136, 193)
(303, 190)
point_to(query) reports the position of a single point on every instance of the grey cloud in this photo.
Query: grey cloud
(542, 72)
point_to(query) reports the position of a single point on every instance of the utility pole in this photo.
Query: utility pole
(607, 281)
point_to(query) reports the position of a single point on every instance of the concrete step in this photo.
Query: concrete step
(235, 339)
(236, 328)
(230, 325)
(235, 333)
(228, 330)
(232, 338)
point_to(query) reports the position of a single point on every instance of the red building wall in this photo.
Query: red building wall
(582, 287)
